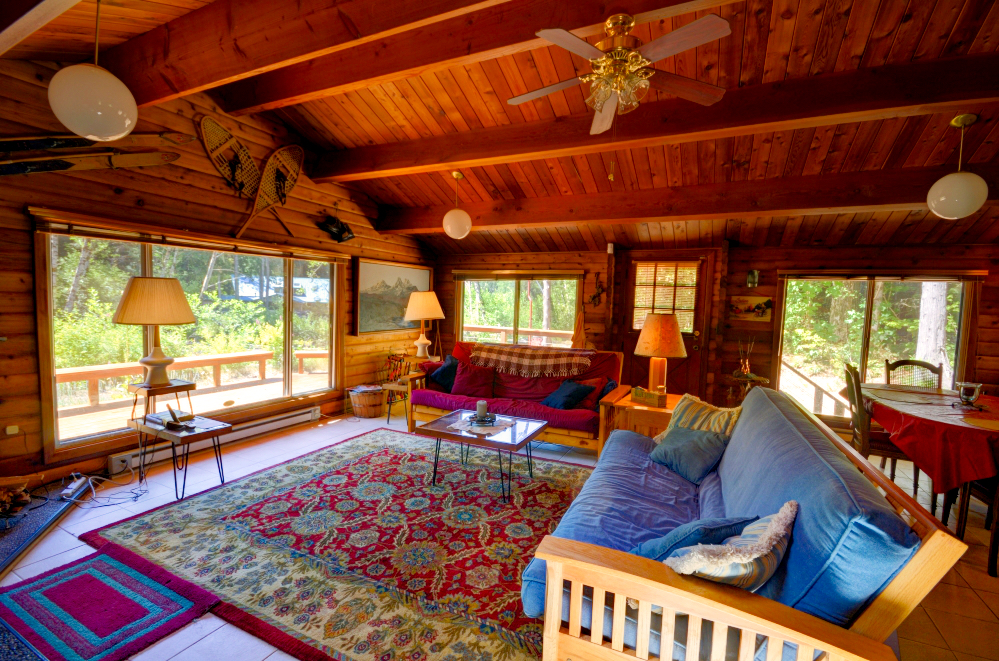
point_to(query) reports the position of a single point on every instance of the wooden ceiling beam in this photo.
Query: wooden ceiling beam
(229, 40)
(854, 96)
(883, 190)
(482, 35)
(21, 18)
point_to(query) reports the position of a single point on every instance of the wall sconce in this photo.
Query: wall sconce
(753, 278)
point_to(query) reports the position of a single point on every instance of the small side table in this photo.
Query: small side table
(151, 392)
(152, 433)
(643, 419)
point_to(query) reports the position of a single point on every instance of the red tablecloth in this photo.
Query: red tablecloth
(939, 438)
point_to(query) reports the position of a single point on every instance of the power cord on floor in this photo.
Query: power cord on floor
(95, 483)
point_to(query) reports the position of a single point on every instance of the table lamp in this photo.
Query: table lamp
(660, 339)
(154, 302)
(423, 305)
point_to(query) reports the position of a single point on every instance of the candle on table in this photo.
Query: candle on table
(481, 408)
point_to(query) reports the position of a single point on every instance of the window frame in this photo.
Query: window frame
(123, 438)
(460, 277)
(698, 262)
(967, 330)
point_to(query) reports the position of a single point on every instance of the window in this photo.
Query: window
(864, 321)
(237, 351)
(521, 310)
(669, 287)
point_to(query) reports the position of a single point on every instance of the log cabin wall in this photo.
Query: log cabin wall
(187, 194)
(983, 347)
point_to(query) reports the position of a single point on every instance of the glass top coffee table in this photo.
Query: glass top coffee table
(510, 440)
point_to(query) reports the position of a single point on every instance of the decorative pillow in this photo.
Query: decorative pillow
(692, 413)
(690, 453)
(699, 531)
(611, 385)
(747, 560)
(473, 381)
(590, 401)
(428, 368)
(463, 351)
(444, 375)
(567, 395)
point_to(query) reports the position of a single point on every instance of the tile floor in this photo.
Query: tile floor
(958, 621)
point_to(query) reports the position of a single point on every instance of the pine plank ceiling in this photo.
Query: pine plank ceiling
(771, 41)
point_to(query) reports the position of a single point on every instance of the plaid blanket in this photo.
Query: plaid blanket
(532, 361)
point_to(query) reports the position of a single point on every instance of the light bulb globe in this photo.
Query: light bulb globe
(957, 195)
(457, 224)
(92, 103)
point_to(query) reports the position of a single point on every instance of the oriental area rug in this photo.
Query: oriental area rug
(351, 553)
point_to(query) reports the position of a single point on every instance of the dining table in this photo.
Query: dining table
(952, 442)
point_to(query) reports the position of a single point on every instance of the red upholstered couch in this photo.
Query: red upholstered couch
(521, 396)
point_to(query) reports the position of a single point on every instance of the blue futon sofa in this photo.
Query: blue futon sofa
(847, 543)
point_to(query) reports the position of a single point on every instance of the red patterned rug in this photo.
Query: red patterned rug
(352, 553)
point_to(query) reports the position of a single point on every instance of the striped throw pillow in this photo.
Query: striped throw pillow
(747, 560)
(692, 413)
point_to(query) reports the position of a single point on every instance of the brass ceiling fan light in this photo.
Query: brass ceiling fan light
(621, 64)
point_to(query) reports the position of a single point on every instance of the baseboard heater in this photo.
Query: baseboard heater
(120, 462)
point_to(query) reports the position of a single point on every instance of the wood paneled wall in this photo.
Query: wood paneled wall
(186, 194)
(983, 348)
(593, 264)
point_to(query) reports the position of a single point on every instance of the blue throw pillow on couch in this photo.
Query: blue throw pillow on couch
(690, 453)
(699, 531)
(567, 395)
(446, 373)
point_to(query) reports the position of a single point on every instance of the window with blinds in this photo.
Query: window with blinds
(669, 287)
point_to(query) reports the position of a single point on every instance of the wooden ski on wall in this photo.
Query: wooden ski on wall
(63, 142)
(94, 161)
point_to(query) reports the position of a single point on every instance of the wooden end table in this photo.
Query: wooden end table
(510, 439)
(641, 418)
(151, 433)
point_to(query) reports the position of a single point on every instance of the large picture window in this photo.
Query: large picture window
(236, 352)
(829, 322)
(520, 310)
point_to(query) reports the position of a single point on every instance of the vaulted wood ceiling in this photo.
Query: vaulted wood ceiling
(427, 105)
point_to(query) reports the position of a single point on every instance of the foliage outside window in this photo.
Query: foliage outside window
(520, 311)
(826, 325)
(668, 287)
(235, 352)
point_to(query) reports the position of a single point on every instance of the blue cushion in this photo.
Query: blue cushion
(444, 375)
(691, 453)
(847, 542)
(627, 500)
(709, 497)
(607, 389)
(567, 395)
(701, 531)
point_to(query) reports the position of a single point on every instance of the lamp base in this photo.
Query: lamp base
(156, 364)
(422, 344)
(657, 374)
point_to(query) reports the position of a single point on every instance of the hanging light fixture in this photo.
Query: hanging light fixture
(457, 222)
(958, 194)
(90, 101)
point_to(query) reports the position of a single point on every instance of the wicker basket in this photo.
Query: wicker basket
(370, 404)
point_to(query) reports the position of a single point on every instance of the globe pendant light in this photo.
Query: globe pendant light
(457, 222)
(90, 101)
(959, 194)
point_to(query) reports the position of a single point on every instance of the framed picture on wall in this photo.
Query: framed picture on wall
(750, 308)
(381, 294)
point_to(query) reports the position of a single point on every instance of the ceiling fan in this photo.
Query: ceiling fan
(622, 67)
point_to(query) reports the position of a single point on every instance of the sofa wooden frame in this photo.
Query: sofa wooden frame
(570, 437)
(652, 583)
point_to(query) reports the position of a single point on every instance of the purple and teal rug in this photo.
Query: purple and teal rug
(106, 607)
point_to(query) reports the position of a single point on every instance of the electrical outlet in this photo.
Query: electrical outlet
(12, 429)
(119, 465)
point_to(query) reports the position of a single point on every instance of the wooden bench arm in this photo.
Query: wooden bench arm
(615, 395)
(412, 376)
(653, 583)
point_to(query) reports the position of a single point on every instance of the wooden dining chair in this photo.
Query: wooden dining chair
(986, 491)
(914, 373)
(864, 440)
(396, 390)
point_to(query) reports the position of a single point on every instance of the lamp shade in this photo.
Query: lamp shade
(957, 195)
(457, 223)
(92, 103)
(153, 302)
(660, 337)
(423, 305)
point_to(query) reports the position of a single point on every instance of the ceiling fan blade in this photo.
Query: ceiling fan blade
(705, 94)
(544, 91)
(603, 119)
(571, 43)
(699, 32)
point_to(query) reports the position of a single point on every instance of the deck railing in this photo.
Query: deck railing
(819, 394)
(505, 332)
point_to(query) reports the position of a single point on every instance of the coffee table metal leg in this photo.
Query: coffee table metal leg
(437, 456)
(217, 448)
(185, 454)
(530, 461)
(499, 456)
